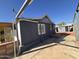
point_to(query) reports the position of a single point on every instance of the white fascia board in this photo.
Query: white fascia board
(19, 34)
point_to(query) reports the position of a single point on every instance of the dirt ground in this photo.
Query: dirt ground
(65, 49)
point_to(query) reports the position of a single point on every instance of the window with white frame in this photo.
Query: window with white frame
(41, 29)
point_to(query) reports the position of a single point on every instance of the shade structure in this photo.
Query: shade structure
(5, 24)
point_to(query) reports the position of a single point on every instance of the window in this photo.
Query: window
(41, 29)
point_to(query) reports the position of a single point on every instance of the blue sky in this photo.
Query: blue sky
(57, 10)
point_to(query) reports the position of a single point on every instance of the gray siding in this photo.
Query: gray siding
(29, 32)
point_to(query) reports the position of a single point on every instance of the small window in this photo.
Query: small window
(43, 29)
(39, 31)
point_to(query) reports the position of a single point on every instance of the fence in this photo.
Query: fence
(7, 49)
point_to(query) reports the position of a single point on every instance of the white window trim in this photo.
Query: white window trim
(43, 31)
(39, 31)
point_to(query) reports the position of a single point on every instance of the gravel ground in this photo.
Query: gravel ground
(67, 49)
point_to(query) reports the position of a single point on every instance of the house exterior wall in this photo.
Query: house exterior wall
(60, 29)
(45, 20)
(29, 33)
(48, 23)
(50, 29)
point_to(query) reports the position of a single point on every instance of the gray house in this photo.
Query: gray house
(32, 31)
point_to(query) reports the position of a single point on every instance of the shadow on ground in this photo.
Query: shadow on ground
(57, 38)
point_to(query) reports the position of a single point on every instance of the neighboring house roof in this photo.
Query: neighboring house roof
(5, 24)
(69, 24)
